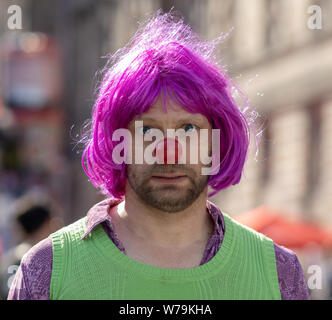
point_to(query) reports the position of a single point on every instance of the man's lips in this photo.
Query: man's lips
(169, 178)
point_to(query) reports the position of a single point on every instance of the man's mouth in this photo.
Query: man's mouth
(169, 178)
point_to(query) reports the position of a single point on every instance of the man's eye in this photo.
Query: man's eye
(145, 129)
(189, 127)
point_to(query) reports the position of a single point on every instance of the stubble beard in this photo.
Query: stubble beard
(167, 198)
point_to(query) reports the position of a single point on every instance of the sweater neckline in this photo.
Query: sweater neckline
(111, 252)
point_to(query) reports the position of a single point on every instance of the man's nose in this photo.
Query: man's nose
(168, 151)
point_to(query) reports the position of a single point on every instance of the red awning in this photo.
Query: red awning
(289, 233)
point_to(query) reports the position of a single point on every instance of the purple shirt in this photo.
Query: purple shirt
(33, 277)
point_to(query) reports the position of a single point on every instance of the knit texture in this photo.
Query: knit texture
(94, 268)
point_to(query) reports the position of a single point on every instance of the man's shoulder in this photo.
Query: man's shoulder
(285, 256)
(40, 253)
(291, 277)
(32, 278)
(73, 229)
(250, 232)
(287, 260)
(72, 226)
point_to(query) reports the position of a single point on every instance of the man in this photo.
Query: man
(156, 235)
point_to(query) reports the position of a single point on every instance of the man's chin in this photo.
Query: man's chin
(169, 200)
(168, 204)
(170, 193)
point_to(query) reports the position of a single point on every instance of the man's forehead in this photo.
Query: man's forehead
(158, 109)
(173, 110)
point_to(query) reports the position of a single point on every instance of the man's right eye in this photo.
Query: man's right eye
(145, 129)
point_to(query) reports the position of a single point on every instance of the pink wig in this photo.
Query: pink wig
(165, 58)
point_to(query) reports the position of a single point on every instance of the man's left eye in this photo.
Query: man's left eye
(189, 127)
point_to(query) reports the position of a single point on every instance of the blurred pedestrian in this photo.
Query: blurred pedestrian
(33, 222)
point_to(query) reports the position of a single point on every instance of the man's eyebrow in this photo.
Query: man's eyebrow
(153, 120)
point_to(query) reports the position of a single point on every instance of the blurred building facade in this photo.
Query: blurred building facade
(284, 67)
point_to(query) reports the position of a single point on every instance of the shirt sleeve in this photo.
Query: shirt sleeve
(33, 277)
(291, 278)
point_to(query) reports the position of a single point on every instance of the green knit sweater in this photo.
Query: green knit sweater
(94, 268)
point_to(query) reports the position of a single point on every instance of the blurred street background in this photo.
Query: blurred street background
(280, 54)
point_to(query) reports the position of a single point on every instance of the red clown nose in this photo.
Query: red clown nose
(168, 151)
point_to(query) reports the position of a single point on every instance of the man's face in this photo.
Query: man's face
(154, 183)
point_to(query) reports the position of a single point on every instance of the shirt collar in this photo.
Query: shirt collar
(99, 213)
(216, 215)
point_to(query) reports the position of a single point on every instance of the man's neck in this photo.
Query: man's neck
(190, 227)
